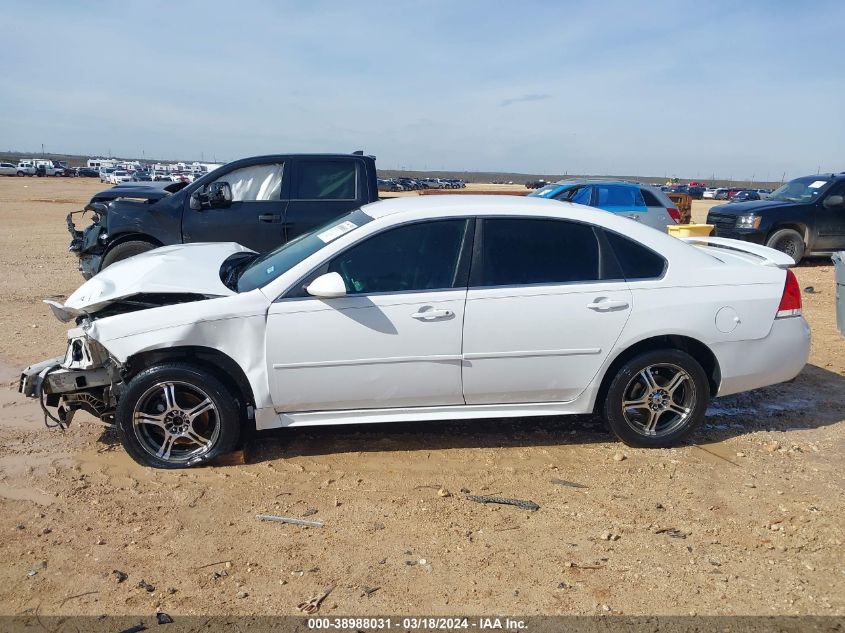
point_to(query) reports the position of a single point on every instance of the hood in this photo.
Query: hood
(146, 190)
(178, 270)
(751, 206)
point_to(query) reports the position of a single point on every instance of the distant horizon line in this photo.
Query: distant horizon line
(505, 174)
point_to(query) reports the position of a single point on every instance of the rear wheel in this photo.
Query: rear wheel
(657, 399)
(175, 416)
(125, 251)
(788, 241)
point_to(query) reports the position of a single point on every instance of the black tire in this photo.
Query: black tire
(219, 425)
(125, 250)
(21, 174)
(788, 241)
(667, 430)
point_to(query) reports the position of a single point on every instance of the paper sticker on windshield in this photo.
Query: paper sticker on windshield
(336, 231)
(817, 184)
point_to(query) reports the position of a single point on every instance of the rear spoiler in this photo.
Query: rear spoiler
(770, 256)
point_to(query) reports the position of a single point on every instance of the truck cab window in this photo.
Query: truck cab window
(326, 180)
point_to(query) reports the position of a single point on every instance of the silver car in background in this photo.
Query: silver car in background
(643, 203)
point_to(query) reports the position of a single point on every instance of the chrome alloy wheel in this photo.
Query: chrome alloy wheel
(176, 421)
(658, 399)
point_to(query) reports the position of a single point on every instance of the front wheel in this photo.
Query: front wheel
(125, 251)
(175, 416)
(657, 399)
(788, 241)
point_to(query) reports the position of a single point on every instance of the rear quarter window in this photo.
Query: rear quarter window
(635, 260)
(651, 200)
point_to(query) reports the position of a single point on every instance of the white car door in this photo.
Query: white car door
(545, 307)
(393, 341)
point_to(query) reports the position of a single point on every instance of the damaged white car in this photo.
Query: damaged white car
(424, 309)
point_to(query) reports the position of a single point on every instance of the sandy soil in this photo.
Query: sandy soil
(746, 521)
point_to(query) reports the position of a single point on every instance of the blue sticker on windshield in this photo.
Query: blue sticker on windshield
(270, 270)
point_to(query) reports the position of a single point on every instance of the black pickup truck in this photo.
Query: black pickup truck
(259, 202)
(806, 216)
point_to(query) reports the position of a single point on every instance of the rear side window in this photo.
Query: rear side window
(616, 197)
(636, 261)
(326, 180)
(650, 199)
(520, 251)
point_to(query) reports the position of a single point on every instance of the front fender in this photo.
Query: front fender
(233, 325)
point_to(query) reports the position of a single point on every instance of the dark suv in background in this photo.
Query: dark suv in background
(806, 216)
(260, 202)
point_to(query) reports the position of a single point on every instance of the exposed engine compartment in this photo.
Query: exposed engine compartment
(142, 301)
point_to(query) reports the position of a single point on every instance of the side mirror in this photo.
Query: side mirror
(328, 286)
(834, 201)
(219, 195)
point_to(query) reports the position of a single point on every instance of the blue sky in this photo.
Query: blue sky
(659, 88)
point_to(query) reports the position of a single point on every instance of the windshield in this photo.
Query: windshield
(801, 189)
(265, 268)
(545, 192)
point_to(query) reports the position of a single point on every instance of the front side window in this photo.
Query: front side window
(414, 257)
(523, 251)
(256, 183)
(326, 180)
(578, 194)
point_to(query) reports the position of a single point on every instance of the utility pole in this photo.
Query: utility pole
(42, 150)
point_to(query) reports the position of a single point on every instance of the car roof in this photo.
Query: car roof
(600, 181)
(421, 207)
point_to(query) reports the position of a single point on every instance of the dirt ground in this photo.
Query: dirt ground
(748, 520)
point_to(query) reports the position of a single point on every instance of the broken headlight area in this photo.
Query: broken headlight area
(86, 378)
(83, 240)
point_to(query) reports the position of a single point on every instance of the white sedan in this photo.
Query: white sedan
(120, 176)
(441, 308)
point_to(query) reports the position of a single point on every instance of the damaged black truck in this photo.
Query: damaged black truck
(259, 202)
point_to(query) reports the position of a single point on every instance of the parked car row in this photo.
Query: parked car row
(728, 193)
(116, 176)
(34, 167)
(414, 184)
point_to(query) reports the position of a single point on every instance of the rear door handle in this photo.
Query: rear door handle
(269, 217)
(432, 315)
(603, 304)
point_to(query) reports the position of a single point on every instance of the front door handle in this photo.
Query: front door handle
(429, 314)
(603, 304)
(269, 217)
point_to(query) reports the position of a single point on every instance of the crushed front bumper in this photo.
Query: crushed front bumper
(73, 382)
(50, 378)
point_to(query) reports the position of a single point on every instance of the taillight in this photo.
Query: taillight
(674, 213)
(790, 302)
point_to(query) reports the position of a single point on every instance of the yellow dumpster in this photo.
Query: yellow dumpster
(690, 230)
